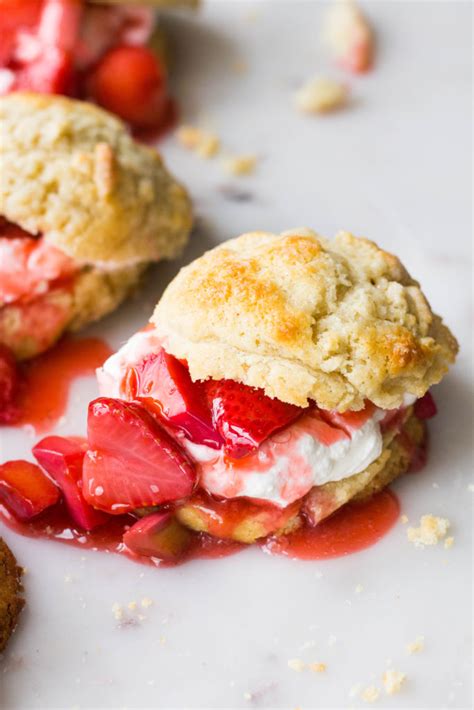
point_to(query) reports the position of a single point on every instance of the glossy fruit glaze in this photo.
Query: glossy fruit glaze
(350, 529)
(47, 380)
(56, 524)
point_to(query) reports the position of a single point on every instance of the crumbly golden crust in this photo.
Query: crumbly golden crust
(94, 293)
(321, 501)
(71, 171)
(11, 601)
(304, 317)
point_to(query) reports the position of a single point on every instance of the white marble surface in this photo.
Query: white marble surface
(394, 167)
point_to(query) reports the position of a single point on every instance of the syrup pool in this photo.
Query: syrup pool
(55, 524)
(47, 379)
(354, 527)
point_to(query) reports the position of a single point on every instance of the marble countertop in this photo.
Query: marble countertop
(395, 167)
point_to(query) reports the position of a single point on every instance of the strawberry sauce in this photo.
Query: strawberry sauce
(48, 378)
(352, 528)
(55, 524)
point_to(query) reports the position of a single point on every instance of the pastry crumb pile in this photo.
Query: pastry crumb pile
(430, 531)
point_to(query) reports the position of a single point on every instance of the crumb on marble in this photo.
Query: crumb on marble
(204, 143)
(317, 667)
(448, 543)
(240, 164)
(296, 664)
(146, 602)
(431, 530)
(370, 694)
(416, 646)
(404, 519)
(321, 96)
(393, 681)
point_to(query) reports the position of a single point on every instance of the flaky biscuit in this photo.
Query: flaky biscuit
(72, 172)
(336, 321)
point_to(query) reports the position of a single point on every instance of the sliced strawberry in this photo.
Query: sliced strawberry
(425, 408)
(9, 386)
(60, 23)
(158, 535)
(245, 416)
(51, 73)
(131, 82)
(62, 458)
(132, 462)
(25, 490)
(164, 386)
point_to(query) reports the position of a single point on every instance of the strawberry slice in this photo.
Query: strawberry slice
(425, 408)
(245, 416)
(9, 386)
(131, 82)
(158, 535)
(348, 421)
(62, 458)
(163, 384)
(51, 73)
(25, 490)
(132, 462)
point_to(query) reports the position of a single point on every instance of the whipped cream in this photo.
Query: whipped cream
(287, 465)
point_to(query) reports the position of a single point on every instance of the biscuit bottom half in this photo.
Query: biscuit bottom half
(30, 328)
(11, 601)
(246, 522)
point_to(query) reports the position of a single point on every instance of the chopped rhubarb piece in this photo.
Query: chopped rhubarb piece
(25, 490)
(9, 386)
(132, 462)
(62, 458)
(158, 535)
(163, 384)
(131, 82)
(425, 408)
(245, 416)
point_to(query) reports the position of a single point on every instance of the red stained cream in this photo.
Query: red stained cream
(350, 529)
(48, 378)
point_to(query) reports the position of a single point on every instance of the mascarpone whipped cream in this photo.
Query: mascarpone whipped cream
(286, 466)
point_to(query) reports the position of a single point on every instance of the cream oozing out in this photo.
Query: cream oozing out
(310, 452)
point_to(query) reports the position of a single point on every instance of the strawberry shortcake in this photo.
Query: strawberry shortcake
(83, 210)
(282, 383)
(281, 376)
(106, 52)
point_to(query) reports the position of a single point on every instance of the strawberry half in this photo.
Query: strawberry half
(9, 386)
(25, 490)
(132, 462)
(62, 458)
(163, 384)
(245, 416)
(131, 82)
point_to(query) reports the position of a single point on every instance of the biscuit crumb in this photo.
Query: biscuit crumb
(404, 519)
(132, 605)
(147, 602)
(241, 165)
(349, 36)
(393, 681)
(321, 96)
(358, 588)
(117, 611)
(448, 543)
(416, 646)
(431, 530)
(296, 664)
(204, 143)
(370, 694)
(317, 667)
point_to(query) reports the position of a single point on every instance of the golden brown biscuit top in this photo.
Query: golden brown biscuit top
(71, 171)
(304, 317)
